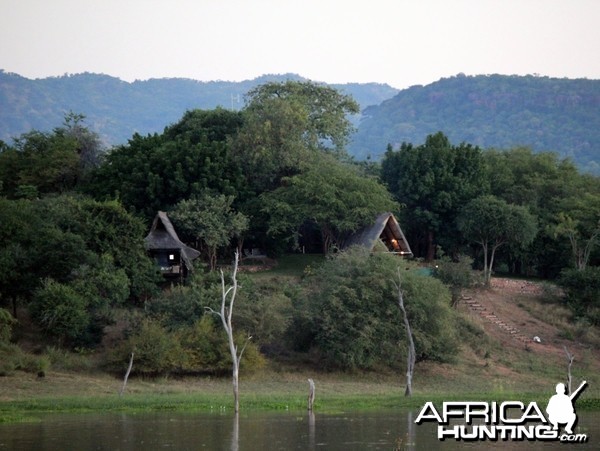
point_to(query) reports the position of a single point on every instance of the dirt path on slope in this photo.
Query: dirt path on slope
(515, 312)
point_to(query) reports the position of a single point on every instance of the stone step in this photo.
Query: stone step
(493, 318)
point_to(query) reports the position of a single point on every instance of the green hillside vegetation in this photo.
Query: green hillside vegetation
(491, 111)
(116, 109)
(77, 288)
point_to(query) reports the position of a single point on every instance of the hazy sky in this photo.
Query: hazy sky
(400, 42)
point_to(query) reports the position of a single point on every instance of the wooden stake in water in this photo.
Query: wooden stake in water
(311, 394)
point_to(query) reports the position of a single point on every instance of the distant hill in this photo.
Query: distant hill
(491, 111)
(116, 109)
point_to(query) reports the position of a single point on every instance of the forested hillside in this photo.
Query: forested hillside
(275, 177)
(116, 109)
(491, 111)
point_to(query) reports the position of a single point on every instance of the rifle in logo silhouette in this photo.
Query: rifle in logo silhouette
(560, 407)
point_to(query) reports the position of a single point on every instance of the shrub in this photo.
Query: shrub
(349, 311)
(184, 305)
(60, 310)
(457, 275)
(582, 292)
(199, 348)
(6, 324)
(156, 351)
(12, 358)
(264, 311)
(205, 347)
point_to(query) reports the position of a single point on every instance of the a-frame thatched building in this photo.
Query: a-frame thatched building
(172, 255)
(384, 234)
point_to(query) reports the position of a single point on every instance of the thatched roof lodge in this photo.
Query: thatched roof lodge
(172, 255)
(386, 232)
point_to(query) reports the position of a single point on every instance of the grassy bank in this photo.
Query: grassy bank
(491, 366)
(30, 396)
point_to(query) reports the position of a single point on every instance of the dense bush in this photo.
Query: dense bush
(60, 310)
(263, 310)
(206, 349)
(198, 348)
(156, 350)
(349, 312)
(77, 311)
(582, 292)
(6, 324)
(13, 358)
(457, 275)
(184, 305)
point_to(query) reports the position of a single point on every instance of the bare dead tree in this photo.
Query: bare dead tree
(411, 357)
(311, 394)
(570, 358)
(126, 375)
(226, 312)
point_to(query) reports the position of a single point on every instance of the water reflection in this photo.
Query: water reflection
(251, 431)
(311, 430)
(235, 434)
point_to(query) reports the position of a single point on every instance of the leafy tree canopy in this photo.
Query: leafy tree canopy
(41, 163)
(491, 223)
(349, 313)
(434, 181)
(210, 220)
(155, 172)
(285, 124)
(75, 241)
(333, 195)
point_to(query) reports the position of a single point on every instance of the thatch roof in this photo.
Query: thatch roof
(385, 229)
(162, 236)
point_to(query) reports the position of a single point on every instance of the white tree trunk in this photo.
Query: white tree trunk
(411, 357)
(126, 375)
(311, 394)
(570, 358)
(226, 314)
(486, 279)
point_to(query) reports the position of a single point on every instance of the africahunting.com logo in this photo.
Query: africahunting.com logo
(509, 420)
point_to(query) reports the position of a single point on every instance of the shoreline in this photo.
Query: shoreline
(68, 393)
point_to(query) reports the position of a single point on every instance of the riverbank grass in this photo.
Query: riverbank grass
(267, 391)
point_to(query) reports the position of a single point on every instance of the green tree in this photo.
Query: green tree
(333, 195)
(6, 324)
(93, 248)
(457, 275)
(56, 162)
(580, 223)
(285, 124)
(60, 311)
(47, 161)
(210, 220)
(582, 292)
(154, 172)
(491, 223)
(434, 181)
(348, 311)
(542, 182)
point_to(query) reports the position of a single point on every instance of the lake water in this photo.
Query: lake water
(253, 431)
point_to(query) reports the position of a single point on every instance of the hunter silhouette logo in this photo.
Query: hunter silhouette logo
(560, 408)
(508, 420)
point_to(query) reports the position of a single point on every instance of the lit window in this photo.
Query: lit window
(171, 257)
